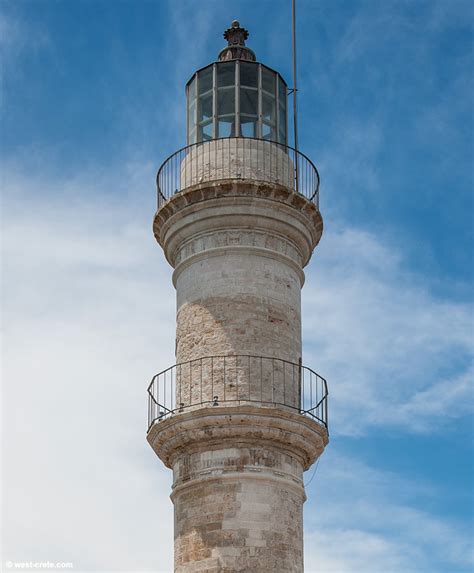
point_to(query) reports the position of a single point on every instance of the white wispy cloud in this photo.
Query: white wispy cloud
(393, 353)
(89, 318)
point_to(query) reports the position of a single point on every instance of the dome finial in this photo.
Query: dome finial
(236, 50)
(235, 35)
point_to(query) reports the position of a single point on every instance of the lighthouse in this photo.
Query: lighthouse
(239, 417)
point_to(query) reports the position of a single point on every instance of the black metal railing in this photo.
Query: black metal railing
(235, 380)
(238, 158)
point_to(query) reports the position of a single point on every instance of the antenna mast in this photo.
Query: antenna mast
(295, 89)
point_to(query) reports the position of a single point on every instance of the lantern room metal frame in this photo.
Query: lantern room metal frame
(222, 104)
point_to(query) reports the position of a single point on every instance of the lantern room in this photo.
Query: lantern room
(236, 96)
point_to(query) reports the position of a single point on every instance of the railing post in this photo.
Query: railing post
(326, 405)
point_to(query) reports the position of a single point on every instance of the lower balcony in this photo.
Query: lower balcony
(225, 381)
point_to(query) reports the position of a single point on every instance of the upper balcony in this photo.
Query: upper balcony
(238, 158)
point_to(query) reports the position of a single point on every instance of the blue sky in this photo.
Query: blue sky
(92, 103)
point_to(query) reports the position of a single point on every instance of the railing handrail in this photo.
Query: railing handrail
(300, 393)
(298, 155)
(238, 356)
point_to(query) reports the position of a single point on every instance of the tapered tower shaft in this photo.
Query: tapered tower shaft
(238, 419)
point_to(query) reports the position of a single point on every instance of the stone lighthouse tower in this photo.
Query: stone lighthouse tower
(238, 418)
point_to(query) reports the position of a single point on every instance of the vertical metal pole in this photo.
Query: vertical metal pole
(295, 89)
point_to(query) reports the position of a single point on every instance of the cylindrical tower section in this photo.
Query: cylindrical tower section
(238, 248)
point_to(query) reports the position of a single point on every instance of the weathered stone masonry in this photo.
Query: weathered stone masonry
(238, 250)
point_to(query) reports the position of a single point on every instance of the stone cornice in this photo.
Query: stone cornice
(224, 426)
(244, 204)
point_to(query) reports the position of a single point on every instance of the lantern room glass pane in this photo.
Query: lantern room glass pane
(282, 108)
(268, 131)
(205, 107)
(248, 74)
(282, 121)
(268, 80)
(225, 101)
(225, 74)
(282, 91)
(226, 126)
(282, 134)
(206, 132)
(248, 126)
(191, 116)
(192, 90)
(268, 108)
(205, 80)
(248, 101)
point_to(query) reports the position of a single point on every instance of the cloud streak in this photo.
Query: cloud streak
(393, 352)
